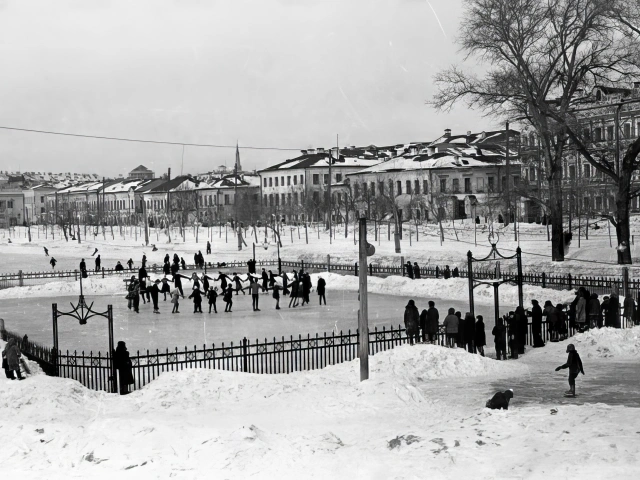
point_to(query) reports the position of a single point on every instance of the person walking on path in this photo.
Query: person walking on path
(83, 268)
(321, 290)
(212, 295)
(293, 298)
(53, 262)
(254, 288)
(46, 252)
(451, 324)
(122, 363)
(196, 294)
(155, 294)
(433, 322)
(228, 298)
(536, 324)
(479, 337)
(411, 322)
(469, 331)
(416, 271)
(97, 262)
(574, 364)
(629, 310)
(499, 335)
(130, 263)
(176, 293)
(12, 355)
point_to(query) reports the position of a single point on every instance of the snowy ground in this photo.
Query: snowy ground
(406, 421)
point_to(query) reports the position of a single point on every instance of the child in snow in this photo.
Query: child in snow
(500, 400)
(212, 295)
(574, 364)
(46, 252)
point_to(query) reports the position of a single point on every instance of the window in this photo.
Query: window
(41, 199)
(610, 132)
(276, 181)
(598, 134)
(585, 203)
(491, 184)
(338, 177)
(391, 188)
(325, 178)
(516, 180)
(399, 187)
(417, 189)
(504, 183)
(271, 200)
(425, 187)
(372, 189)
(41, 209)
(282, 180)
(295, 198)
(467, 185)
(408, 184)
(282, 197)
(598, 203)
(572, 172)
(316, 179)
(270, 182)
(381, 188)
(210, 202)
(356, 190)
(455, 185)
(443, 185)
(532, 173)
(586, 134)
(289, 199)
(587, 171)
(295, 179)
(265, 182)
(480, 185)
(365, 192)
(627, 130)
(226, 199)
(288, 180)
(266, 200)
(301, 180)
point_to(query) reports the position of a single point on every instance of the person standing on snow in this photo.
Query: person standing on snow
(629, 310)
(594, 312)
(479, 337)
(416, 271)
(451, 324)
(469, 331)
(409, 269)
(119, 267)
(12, 355)
(536, 324)
(411, 322)
(83, 268)
(499, 334)
(208, 247)
(321, 290)
(53, 262)
(433, 322)
(574, 364)
(122, 363)
(46, 252)
(97, 262)
(130, 263)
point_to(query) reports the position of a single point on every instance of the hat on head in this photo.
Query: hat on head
(571, 348)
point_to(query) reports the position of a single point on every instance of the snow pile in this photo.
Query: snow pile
(608, 342)
(90, 286)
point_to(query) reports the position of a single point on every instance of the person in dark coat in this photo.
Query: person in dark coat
(166, 259)
(423, 325)
(469, 331)
(183, 264)
(46, 251)
(272, 279)
(594, 312)
(212, 296)
(166, 268)
(416, 270)
(11, 353)
(155, 294)
(433, 322)
(122, 363)
(136, 296)
(460, 338)
(144, 260)
(228, 298)
(222, 278)
(254, 288)
(552, 320)
(176, 258)
(536, 324)
(521, 329)
(409, 269)
(629, 310)
(265, 280)
(455, 273)
(306, 288)
(130, 263)
(53, 262)
(196, 260)
(411, 321)
(499, 335)
(97, 262)
(446, 273)
(286, 284)
(83, 268)
(208, 247)
(166, 288)
(320, 289)
(238, 281)
(251, 264)
(500, 400)
(574, 364)
(130, 291)
(293, 298)
(196, 294)
(276, 294)
(479, 337)
(196, 280)
(119, 267)
(562, 322)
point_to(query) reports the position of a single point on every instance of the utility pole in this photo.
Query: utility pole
(235, 198)
(363, 312)
(330, 162)
(508, 174)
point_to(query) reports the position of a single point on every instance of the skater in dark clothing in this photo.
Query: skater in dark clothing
(265, 280)
(228, 298)
(166, 268)
(176, 259)
(175, 268)
(222, 278)
(409, 269)
(130, 292)
(574, 364)
(197, 300)
(183, 263)
(446, 273)
(594, 312)
(499, 334)
(165, 288)
(286, 284)
(122, 364)
(479, 337)
(251, 264)
(83, 268)
(136, 296)
(177, 281)
(433, 322)
(166, 259)
(469, 331)
(212, 295)
(155, 293)
(205, 282)
(536, 324)
(196, 260)
(130, 263)
(416, 270)
(521, 329)
(293, 298)
(254, 288)
(321, 290)
(196, 280)
(412, 322)
(238, 281)
(97, 262)
(53, 262)
(208, 248)
(119, 267)
(500, 400)
(272, 279)
(94, 252)
(306, 288)
(144, 260)
(276, 295)
(46, 252)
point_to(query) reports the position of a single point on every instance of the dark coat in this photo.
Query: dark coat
(480, 337)
(166, 269)
(498, 333)
(500, 400)
(423, 321)
(574, 363)
(416, 271)
(212, 295)
(433, 318)
(411, 318)
(469, 328)
(536, 320)
(197, 297)
(322, 283)
(612, 317)
(122, 363)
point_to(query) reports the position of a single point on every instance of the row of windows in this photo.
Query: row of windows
(279, 181)
(416, 187)
(7, 203)
(597, 134)
(274, 200)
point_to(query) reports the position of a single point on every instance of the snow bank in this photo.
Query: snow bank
(608, 343)
(90, 286)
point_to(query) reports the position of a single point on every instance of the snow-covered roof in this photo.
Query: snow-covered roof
(122, 186)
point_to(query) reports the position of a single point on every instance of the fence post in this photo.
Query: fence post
(328, 262)
(625, 281)
(102, 272)
(402, 264)
(569, 278)
(544, 280)
(20, 278)
(301, 266)
(76, 272)
(245, 360)
(356, 268)
(437, 272)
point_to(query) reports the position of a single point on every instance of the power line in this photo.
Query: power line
(137, 140)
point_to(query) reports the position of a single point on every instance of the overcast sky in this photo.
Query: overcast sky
(277, 73)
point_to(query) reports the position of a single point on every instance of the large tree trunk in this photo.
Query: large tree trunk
(555, 210)
(623, 199)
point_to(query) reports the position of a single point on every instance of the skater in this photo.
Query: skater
(130, 263)
(286, 284)
(433, 322)
(536, 324)
(97, 262)
(469, 332)
(212, 295)
(238, 281)
(451, 324)
(500, 400)
(136, 296)
(46, 252)
(208, 248)
(479, 337)
(416, 271)
(498, 333)
(166, 268)
(306, 288)
(83, 268)
(197, 300)
(176, 293)
(228, 298)
(276, 295)
(222, 278)
(176, 259)
(205, 282)
(594, 312)
(629, 310)
(155, 293)
(574, 364)
(130, 292)
(196, 281)
(293, 298)
(251, 264)
(94, 252)
(411, 321)
(53, 262)
(409, 269)
(265, 280)
(177, 281)
(254, 288)
(446, 274)
(165, 288)
(183, 263)
(11, 354)
(144, 260)
(122, 363)
(200, 259)
(175, 268)
(272, 279)
(119, 267)
(320, 289)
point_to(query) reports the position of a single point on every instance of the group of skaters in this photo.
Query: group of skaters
(413, 271)
(297, 286)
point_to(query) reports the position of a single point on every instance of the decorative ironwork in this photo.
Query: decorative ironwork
(96, 362)
(227, 352)
(313, 343)
(261, 349)
(345, 340)
(296, 345)
(328, 341)
(209, 354)
(278, 347)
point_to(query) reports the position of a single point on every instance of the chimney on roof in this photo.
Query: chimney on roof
(169, 173)
(447, 132)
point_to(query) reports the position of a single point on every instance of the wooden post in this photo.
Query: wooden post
(306, 233)
(470, 275)
(363, 313)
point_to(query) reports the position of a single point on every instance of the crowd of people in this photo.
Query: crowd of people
(413, 271)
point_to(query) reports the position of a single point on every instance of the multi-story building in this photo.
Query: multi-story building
(141, 173)
(16, 206)
(217, 200)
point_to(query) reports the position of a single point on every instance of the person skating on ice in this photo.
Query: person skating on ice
(46, 252)
(265, 280)
(130, 263)
(53, 262)
(155, 294)
(144, 260)
(196, 294)
(196, 280)
(321, 290)
(176, 293)
(177, 281)
(276, 295)
(228, 298)
(254, 288)
(208, 247)
(222, 278)
(166, 268)
(574, 364)
(212, 296)
(238, 281)
(166, 288)
(293, 298)
(183, 263)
